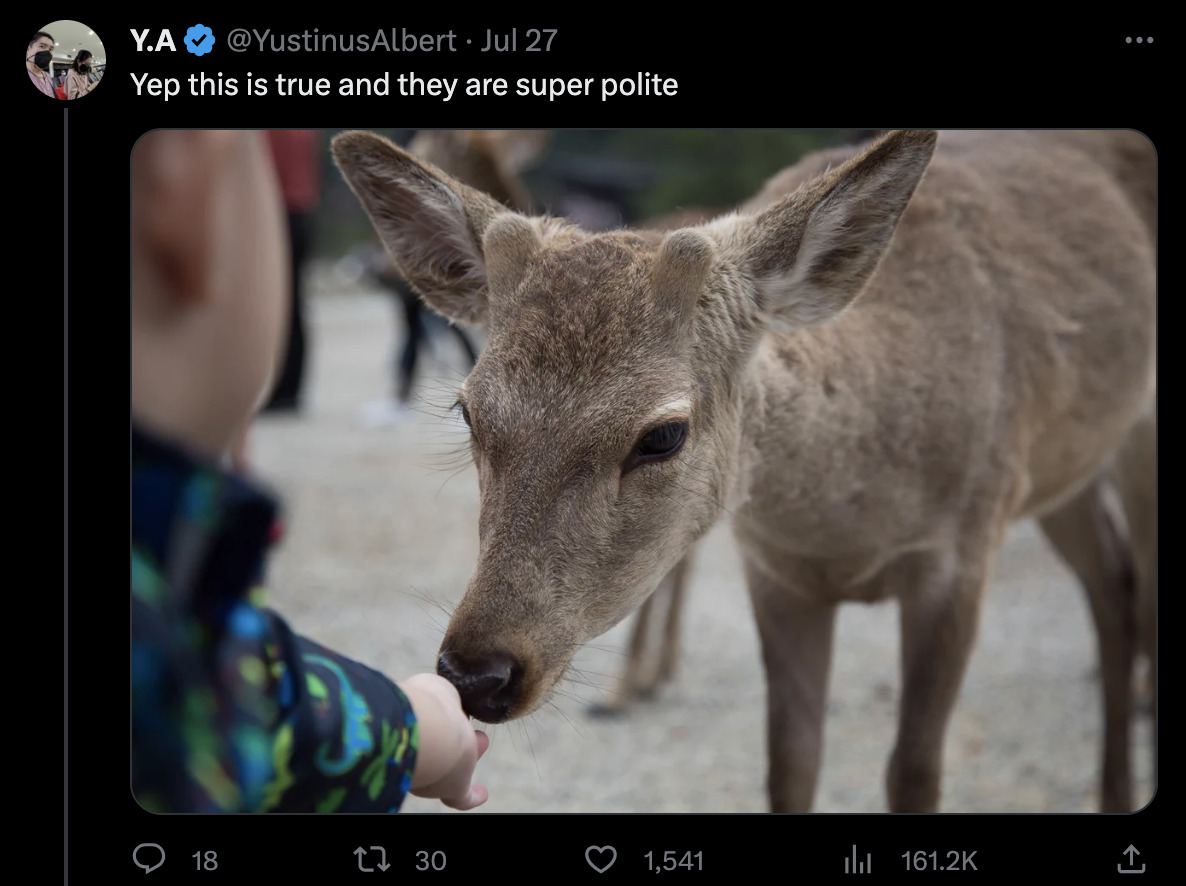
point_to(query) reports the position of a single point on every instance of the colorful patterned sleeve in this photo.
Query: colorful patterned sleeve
(353, 738)
(239, 714)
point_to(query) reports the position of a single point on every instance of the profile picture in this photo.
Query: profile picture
(65, 60)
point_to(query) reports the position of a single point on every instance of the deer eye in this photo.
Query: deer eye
(465, 416)
(657, 444)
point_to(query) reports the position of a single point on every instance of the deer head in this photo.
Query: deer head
(606, 408)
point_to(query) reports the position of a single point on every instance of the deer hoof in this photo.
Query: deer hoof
(607, 709)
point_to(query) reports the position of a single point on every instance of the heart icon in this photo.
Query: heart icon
(601, 850)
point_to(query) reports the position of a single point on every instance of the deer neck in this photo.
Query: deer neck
(808, 430)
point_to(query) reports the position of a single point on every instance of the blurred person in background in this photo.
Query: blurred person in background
(78, 78)
(491, 160)
(417, 324)
(296, 155)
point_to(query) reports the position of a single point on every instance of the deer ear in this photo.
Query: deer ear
(431, 224)
(812, 253)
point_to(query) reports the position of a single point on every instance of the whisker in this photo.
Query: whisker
(583, 671)
(602, 647)
(555, 708)
(595, 674)
(453, 474)
(531, 748)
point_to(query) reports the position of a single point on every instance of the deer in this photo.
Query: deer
(493, 161)
(874, 367)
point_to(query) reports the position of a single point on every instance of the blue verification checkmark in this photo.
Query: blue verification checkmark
(199, 39)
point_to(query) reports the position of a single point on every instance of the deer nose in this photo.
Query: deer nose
(488, 685)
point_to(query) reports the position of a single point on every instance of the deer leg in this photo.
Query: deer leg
(622, 694)
(669, 656)
(1086, 536)
(1135, 474)
(796, 638)
(641, 675)
(939, 615)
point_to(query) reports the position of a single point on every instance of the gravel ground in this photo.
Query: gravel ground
(382, 538)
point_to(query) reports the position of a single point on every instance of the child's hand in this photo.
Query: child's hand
(449, 746)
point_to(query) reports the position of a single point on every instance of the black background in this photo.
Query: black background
(979, 68)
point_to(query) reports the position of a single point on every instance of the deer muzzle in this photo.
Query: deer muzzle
(489, 685)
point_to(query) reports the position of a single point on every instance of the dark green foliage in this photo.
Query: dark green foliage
(660, 171)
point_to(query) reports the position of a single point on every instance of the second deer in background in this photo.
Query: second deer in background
(488, 159)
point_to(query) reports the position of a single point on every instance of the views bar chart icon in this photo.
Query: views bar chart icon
(851, 866)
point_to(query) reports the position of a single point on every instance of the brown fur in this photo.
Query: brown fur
(874, 401)
(487, 159)
(491, 161)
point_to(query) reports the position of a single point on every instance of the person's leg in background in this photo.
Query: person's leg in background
(414, 334)
(288, 391)
(471, 352)
(396, 409)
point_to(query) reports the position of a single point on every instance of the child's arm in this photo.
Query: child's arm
(433, 755)
(355, 736)
(232, 711)
(248, 716)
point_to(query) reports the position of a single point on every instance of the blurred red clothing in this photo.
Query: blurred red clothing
(297, 155)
